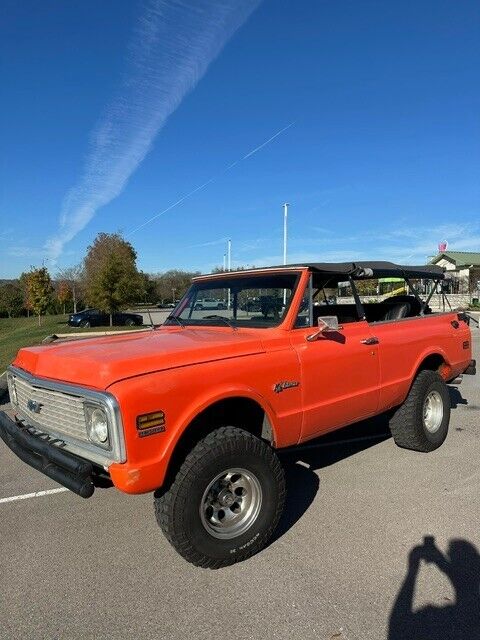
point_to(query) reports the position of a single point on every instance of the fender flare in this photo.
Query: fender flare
(198, 405)
(431, 351)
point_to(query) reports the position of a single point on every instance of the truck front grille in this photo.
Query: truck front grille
(55, 412)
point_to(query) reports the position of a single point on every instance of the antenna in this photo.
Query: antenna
(151, 321)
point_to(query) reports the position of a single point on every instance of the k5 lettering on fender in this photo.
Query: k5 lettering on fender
(225, 501)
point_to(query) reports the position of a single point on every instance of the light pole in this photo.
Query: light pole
(229, 266)
(224, 261)
(285, 221)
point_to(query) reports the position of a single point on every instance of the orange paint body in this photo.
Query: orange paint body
(182, 371)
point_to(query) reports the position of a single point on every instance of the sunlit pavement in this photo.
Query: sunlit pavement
(100, 568)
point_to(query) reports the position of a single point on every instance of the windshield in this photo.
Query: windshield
(238, 301)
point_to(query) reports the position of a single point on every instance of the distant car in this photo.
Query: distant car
(251, 305)
(96, 318)
(166, 305)
(209, 304)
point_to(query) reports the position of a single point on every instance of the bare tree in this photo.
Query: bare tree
(73, 276)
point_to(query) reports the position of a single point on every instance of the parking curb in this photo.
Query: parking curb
(3, 386)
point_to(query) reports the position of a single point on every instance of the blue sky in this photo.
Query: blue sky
(113, 111)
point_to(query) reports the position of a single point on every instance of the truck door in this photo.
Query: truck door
(340, 376)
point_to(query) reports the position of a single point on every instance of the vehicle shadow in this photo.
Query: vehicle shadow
(300, 464)
(342, 443)
(459, 620)
(456, 397)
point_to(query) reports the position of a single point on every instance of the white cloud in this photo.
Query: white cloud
(410, 244)
(173, 44)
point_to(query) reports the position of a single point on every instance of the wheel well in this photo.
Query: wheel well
(237, 412)
(432, 362)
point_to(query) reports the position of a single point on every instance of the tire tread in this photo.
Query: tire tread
(226, 439)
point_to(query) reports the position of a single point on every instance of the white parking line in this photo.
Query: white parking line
(37, 494)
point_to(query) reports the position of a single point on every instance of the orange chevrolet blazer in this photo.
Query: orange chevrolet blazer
(195, 409)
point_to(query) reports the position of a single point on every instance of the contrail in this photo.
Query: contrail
(208, 243)
(215, 177)
(173, 44)
(250, 153)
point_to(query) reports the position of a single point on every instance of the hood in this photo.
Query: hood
(99, 362)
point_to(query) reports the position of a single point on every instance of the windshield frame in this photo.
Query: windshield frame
(219, 281)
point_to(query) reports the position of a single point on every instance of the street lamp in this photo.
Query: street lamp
(285, 220)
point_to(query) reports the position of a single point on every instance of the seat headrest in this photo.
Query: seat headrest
(397, 311)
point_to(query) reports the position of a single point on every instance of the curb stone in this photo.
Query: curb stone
(3, 387)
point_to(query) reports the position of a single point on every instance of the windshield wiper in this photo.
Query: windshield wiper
(172, 317)
(215, 316)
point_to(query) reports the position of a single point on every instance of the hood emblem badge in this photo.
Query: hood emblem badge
(34, 406)
(281, 386)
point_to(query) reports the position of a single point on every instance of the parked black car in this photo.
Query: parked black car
(96, 318)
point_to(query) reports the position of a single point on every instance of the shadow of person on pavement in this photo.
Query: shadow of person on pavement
(457, 621)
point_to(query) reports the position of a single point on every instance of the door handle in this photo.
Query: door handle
(371, 340)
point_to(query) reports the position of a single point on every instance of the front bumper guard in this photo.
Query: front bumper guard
(43, 453)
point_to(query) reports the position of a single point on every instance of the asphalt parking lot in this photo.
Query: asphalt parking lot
(338, 568)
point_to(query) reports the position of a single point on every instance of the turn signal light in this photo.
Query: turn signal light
(151, 423)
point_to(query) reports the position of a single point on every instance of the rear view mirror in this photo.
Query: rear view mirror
(326, 324)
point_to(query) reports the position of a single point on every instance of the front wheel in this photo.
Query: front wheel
(421, 422)
(226, 499)
(84, 324)
(129, 322)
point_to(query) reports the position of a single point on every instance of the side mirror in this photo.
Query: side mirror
(326, 324)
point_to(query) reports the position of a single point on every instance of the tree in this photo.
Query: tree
(11, 298)
(112, 280)
(64, 293)
(73, 276)
(39, 289)
(172, 284)
(23, 282)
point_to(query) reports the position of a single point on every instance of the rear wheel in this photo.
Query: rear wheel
(225, 501)
(129, 322)
(421, 422)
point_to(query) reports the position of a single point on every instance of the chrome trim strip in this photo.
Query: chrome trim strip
(85, 449)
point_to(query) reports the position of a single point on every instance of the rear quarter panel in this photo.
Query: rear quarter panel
(405, 344)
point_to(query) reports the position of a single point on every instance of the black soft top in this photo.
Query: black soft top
(375, 270)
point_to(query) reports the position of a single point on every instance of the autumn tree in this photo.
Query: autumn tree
(112, 280)
(64, 293)
(23, 282)
(39, 289)
(11, 298)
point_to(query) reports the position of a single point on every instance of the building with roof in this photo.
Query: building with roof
(463, 271)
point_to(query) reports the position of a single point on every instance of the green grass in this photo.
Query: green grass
(25, 332)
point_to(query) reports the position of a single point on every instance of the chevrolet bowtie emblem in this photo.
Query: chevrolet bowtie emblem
(34, 406)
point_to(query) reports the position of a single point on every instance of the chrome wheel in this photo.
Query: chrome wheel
(433, 411)
(231, 503)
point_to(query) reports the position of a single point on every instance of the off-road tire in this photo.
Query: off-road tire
(407, 423)
(178, 508)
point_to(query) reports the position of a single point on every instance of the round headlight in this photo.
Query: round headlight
(98, 425)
